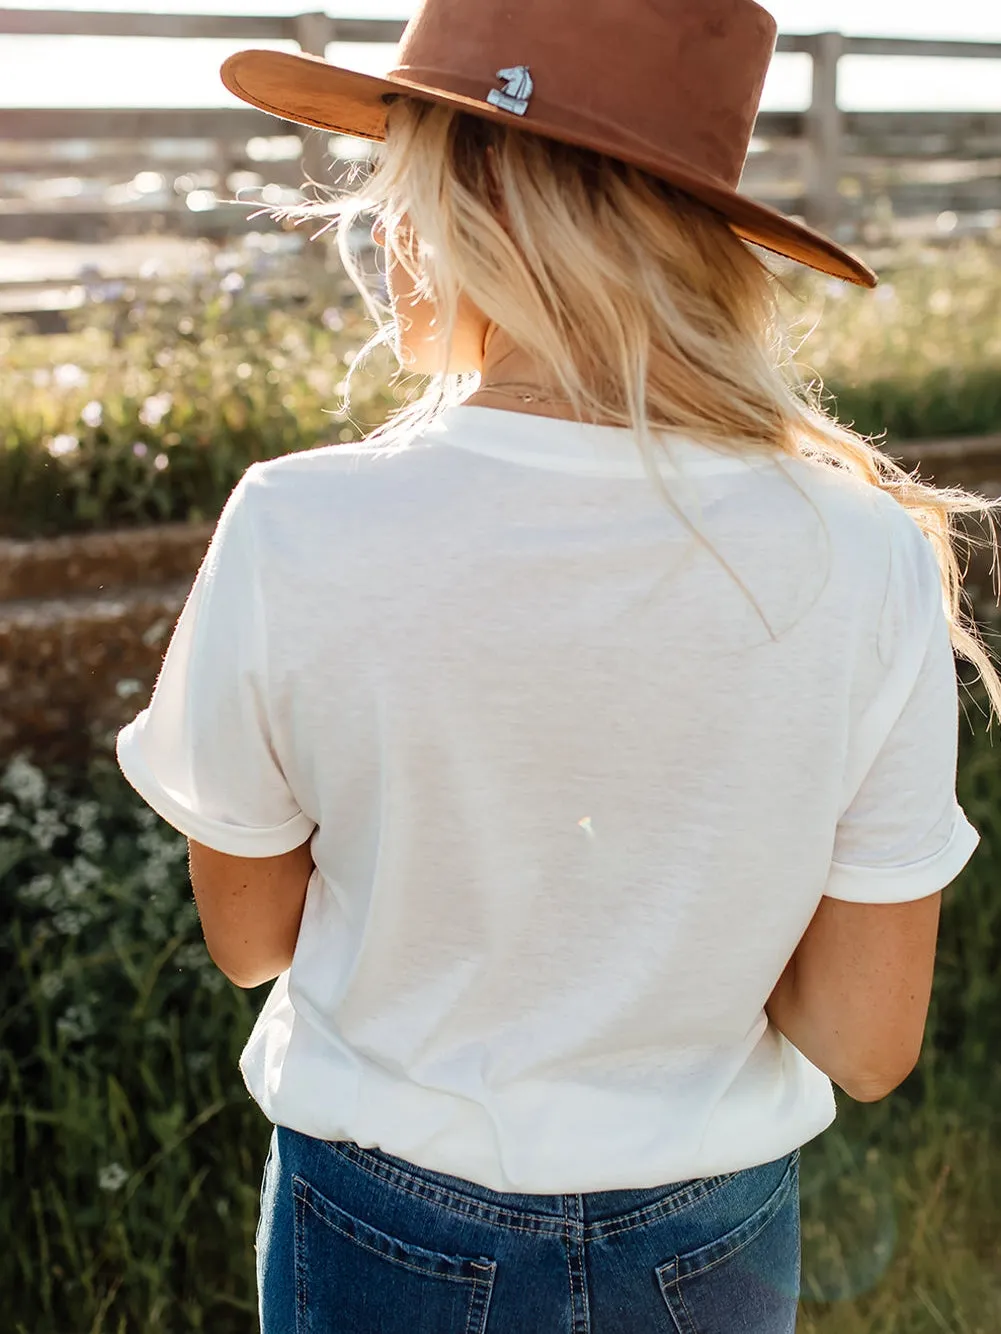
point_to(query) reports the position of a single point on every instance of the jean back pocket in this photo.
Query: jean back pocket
(748, 1278)
(352, 1278)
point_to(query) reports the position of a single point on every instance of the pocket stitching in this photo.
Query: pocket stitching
(475, 1279)
(776, 1199)
(671, 1203)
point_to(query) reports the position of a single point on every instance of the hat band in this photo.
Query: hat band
(569, 124)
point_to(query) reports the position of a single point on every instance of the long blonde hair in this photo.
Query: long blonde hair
(641, 303)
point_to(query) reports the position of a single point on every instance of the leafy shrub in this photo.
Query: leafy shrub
(130, 1151)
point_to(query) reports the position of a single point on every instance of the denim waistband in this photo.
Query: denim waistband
(601, 1213)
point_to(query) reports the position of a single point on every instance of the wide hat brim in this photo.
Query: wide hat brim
(308, 90)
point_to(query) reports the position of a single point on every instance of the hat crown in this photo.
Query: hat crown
(682, 77)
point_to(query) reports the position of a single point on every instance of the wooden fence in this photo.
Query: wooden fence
(828, 165)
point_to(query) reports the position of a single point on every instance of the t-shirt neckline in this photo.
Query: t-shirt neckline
(572, 447)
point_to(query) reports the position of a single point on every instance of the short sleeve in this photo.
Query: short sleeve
(904, 835)
(201, 754)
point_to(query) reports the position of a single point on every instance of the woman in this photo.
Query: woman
(591, 828)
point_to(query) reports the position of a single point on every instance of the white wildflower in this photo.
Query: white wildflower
(51, 984)
(92, 842)
(6, 813)
(37, 891)
(76, 1023)
(127, 688)
(85, 814)
(46, 829)
(161, 462)
(155, 876)
(74, 885)
(70, 922)
(87, 871)
(61, 445)
(24, 782)
(191, 956)
(92, 414)
(69, 376)
(112, 1178)
(155, 408)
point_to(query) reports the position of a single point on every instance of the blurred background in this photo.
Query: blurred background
(164, 322)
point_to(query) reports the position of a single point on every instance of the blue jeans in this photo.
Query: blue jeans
(354, 1241)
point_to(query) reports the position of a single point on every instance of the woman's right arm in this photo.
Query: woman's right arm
(854, 996)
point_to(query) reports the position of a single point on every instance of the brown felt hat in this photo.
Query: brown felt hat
(672, 86)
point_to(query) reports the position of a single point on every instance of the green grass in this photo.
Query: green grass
(155, 405)
(918, 358)
(130, 1153)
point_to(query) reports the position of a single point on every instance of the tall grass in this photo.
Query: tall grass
(918, 358)
(163, 395)
(130, 1153)
(154, 405)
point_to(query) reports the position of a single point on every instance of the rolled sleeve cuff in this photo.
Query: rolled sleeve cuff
(236, 840)
(903, 884)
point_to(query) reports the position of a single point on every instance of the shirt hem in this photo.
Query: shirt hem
(903, 884)
(234, 840)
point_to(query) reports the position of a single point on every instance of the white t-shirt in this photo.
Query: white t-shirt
(571, 805)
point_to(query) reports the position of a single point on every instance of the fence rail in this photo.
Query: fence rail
(818, 163)
(100, 23)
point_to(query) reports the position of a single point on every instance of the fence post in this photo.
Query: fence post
(824, 128)
(313, 32)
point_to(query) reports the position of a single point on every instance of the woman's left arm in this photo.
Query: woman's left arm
(250, 909)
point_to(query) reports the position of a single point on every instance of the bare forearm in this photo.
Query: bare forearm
(251, 909)
(814, 1037)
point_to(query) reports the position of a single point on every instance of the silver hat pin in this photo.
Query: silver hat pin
(517, 92)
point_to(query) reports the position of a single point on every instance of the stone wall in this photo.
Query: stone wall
(84, 622)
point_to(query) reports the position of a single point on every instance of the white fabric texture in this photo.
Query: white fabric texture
(573, 801)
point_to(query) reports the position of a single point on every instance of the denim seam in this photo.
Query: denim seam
(653, 1213)
(684, 1306)
(452, 1201)
(566, 1245)
(575, 1237)
(488, 1284)
(466, 1207)
(479, 1309)
(384, 1255)
(301, 1294)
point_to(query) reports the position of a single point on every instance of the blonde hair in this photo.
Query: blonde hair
(644, 306)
